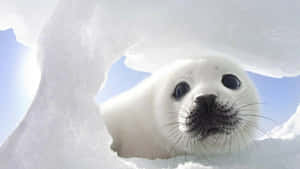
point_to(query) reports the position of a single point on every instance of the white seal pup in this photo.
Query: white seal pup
(196, 106)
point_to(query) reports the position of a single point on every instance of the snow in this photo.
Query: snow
(63, 127)
(290, 129)
(257, 33)
(27, 18)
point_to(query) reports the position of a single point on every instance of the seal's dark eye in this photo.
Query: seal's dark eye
(231, 81)
(180, 90)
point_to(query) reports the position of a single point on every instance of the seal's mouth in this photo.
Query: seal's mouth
(209, 117)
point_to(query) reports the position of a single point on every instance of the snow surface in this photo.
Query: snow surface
(289, 130)
(258, 33)
(63, 128)
(27, 18)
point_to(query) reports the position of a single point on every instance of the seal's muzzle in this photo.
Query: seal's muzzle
(209, 117)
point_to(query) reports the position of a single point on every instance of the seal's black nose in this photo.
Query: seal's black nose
(206, 101)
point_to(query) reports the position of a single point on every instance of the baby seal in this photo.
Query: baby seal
(199, 106)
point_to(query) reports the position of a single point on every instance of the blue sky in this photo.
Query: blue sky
(280, 96)
(13, 100)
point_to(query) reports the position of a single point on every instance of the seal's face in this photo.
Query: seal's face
(211, 106)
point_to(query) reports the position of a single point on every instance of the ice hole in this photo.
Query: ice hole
(119, 79)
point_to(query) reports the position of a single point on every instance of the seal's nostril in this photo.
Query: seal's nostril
(206, 99)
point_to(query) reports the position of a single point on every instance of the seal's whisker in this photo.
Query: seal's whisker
(178, 137)
(227, 141)
(243, 138)
(181, 138)
(242, 95)
(173, 123)
(254, 125)
(237, 133)
(249, 104)
(173, 131)
(257, 116)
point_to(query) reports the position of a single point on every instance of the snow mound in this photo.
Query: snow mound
(63, 128)
(288, 130)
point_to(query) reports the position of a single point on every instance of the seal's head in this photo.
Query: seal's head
(206, 106)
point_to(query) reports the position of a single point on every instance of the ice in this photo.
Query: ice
(288, 130)
(258, 33)
(63, 128)
(27, 18)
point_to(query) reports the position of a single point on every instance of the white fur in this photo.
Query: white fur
(139, 119)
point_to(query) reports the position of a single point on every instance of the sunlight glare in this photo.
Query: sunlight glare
(31, 73)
